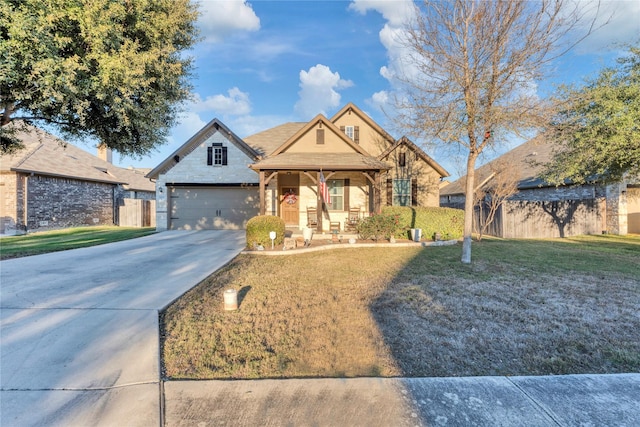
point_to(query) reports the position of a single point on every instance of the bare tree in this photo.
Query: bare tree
(472, 71)
(497, 188)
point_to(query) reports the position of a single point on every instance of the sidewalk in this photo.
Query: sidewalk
(569, 400)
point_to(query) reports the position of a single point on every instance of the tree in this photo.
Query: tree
(474, 65)
(114, 71)
(599, 126)
(498, 187)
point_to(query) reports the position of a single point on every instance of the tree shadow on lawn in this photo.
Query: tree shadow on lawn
(443, 324)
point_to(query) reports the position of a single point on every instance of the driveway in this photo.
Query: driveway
(79, 341)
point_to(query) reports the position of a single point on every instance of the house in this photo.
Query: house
(53, 184)
(539, 209)
(218, 180)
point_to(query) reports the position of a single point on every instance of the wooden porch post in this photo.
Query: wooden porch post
(262, 191)
(377, 201)
(318, 203)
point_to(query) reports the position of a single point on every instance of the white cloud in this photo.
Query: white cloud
(398, 15)
(318, 91)
(623, 26)
(237, 103)
(220, 18)
(394, 11)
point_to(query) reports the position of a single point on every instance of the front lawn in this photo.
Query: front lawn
(524, 307)
(69, 238)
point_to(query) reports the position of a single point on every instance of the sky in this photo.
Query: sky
(264, 63)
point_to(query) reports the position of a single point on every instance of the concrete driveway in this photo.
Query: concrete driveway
(79, 341)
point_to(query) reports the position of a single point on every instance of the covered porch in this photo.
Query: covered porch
(290, 187)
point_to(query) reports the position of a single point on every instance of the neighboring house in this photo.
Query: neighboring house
(540, 210)
(218, 180)
(54, 184)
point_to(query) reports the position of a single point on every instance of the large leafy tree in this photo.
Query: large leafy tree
(472, 71)
(598, 127)
(110, 70)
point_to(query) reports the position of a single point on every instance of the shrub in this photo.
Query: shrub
(380, 226)
(258, 229)
(448, 222)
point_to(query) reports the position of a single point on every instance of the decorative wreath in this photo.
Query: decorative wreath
(290, 197)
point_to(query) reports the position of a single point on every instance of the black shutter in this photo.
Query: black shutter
(356, 134)
(414, 192)
(224, 156)
(346, 194)
(389, 192)
(209, 156)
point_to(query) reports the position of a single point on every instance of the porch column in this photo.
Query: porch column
(262, 191)
(318, 203)
(377, 201)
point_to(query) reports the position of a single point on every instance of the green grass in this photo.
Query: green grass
(61, 240)
(523, 307)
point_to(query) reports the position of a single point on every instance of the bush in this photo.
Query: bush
(380, 226)
(258, 229)
(448, 222)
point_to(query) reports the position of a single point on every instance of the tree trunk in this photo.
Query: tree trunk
(468, 207)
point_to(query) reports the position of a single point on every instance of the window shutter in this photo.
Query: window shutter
(224, 156)
(209, 156)
(389, 192)
(356, 134)
(319, 136)
(346, 194)
(343, 129)
(414, 192)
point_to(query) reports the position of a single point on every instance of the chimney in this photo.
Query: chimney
(104, 153)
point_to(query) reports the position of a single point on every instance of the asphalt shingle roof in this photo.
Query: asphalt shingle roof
(44, 154)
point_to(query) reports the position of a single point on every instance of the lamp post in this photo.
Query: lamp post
(272, 236)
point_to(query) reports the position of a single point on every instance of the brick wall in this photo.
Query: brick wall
(61, 202)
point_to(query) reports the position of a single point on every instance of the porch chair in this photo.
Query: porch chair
(352, 219)
(312, 216)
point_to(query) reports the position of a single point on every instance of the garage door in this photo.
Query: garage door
(212, 208)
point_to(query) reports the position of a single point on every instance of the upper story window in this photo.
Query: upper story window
(349, 131)
(217, 155)
(352, 132)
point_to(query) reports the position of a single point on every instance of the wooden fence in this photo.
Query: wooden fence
(544, 219)
(137, 213)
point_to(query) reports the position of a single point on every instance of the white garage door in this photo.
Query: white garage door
(212, 208)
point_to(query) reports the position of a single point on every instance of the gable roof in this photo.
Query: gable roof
(44, 154)
(319, 120)
(209, 129)
(529, 159)
(352, 108)
(413, 147)
(269, 140)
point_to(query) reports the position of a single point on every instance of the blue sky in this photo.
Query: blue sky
(264, 63)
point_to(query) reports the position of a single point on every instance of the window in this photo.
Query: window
(336, 192)
(402, 192)
(349, 131)
(217, 155)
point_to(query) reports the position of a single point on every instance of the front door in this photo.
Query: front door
(289, 196)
